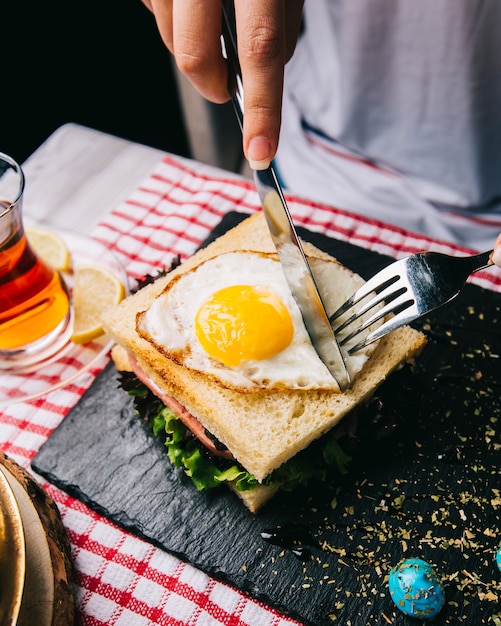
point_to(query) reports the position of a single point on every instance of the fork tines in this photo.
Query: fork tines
(389, 295)
(402, 292)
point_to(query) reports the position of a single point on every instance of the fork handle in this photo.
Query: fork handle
(480, 261)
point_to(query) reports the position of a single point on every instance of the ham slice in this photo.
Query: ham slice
(189, 420)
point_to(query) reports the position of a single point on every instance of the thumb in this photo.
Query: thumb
(496, 257)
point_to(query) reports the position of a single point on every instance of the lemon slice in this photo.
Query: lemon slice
(50, 247)
(95, 289)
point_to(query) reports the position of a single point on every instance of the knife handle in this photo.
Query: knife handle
(289, 249)
(230, 53)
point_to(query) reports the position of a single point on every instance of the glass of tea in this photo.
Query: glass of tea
(36, 315)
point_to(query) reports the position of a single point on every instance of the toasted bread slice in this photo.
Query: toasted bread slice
(265, 429)
(253, 499)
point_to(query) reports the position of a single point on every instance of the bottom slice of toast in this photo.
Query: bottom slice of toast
(264, 429)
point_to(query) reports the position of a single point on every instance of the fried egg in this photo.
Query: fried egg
(234, 319)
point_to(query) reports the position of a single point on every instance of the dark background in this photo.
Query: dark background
(100, 63)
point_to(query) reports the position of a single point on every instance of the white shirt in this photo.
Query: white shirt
(392, 109)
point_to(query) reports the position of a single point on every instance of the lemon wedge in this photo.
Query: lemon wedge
(95, 289)
(50, 247)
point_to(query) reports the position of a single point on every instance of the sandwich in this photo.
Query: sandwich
(218, 345)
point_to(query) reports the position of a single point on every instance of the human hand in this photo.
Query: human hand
(496, 257)
(267, 32)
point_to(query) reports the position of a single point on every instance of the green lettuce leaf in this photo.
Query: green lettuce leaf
(206, 471)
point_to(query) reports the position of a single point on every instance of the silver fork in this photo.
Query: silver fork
(407, 289)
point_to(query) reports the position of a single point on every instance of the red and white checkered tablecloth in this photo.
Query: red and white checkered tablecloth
(122, 580)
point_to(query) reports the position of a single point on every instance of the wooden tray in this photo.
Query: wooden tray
(47, 598)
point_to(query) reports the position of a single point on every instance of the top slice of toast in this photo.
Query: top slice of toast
(265, 429)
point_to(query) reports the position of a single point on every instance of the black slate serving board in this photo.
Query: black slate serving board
(424, 482)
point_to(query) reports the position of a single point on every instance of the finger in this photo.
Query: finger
(496, 257)
(197, 47)
(261, 49)
(162, 10)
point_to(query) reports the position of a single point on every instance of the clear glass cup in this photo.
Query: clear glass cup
(36, 316)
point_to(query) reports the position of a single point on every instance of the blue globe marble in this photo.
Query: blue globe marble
(416, 589)
(498, 557)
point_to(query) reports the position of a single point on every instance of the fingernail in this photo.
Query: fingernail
(496, 257)
(259, 153)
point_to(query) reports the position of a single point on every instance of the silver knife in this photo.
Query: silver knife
(289, 249)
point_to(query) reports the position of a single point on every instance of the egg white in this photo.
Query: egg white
(170, 324)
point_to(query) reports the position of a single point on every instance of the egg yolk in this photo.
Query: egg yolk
(242, 323)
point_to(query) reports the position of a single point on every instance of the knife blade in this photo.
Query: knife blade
(283, 233)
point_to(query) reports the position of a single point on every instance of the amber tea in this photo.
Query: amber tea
(34, 301)
(35, 309)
